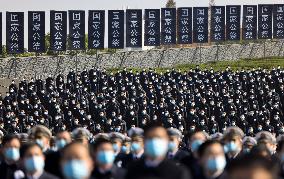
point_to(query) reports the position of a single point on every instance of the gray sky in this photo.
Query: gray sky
(46, 5)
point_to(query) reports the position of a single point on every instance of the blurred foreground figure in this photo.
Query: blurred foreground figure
(104, 156)
(252, 167)
(11, 155)
(155, 165)
(76, 161)
(33, 161)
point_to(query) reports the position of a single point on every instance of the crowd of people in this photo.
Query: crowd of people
(197, 124)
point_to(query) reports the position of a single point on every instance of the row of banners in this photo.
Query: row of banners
(164, 26)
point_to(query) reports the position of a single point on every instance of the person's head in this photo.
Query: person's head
(261, 150)
(33, 158)
(76, 161)
(248, 144)
(103, 153)
(252, 167)
(175, 137)
(137, 142)
(81, 135)
(195, 139)
(126, 145)
(117, 140)
(41, 135)
(155, 141)
(11, 148)
(267, 139)
(233, 141)
(212, 158)
(62, 138)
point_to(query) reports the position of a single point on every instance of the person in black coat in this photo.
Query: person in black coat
(155, 164)
(175, 153)
(9, 164)
(104, 156)
(33, 159)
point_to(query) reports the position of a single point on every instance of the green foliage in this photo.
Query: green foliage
(171, 4)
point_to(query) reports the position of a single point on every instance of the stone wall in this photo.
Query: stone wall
(47, 65)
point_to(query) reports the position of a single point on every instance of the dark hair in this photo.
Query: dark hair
(205, 145)
(280, 145)
(9, 137)
(99, 141)
(24, 148)
(152, 125)
(258, 149)
(249, 161)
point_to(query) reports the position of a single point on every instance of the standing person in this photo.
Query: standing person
(41, 135)
(33, 159)
(212, 160)
(104, 158)
(11, 152)
(155, 165)
(175, 152)
(136, 148)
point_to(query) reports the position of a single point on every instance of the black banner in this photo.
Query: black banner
(184, 25)
(15, 32)
(133, 28)
(233, 22)
(217, 23)
(265, 21)
(58, 30)
(249, 22)
(76, 30)
(168, 26)
(116, 29)
(96, 30)
(36, 31)
(200, 24)
(278, 21)
(152, 27)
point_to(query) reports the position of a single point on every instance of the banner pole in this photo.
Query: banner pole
(200, 53)
(76, 61)
(264, 49)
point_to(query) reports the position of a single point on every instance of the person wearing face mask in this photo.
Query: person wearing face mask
(233, 142)
(136, 148)
(81, 135)
(76, 161)
(52, 161)
(212, 160)
(268, 140)
(104, 158)
(11, 154)
(33, 160)
(195, 139)
(41, 135)
(175, 153)
(155, 165)
(248, 144)
(116, 139)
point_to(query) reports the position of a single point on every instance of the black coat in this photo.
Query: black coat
(114, 173)
(165, 170)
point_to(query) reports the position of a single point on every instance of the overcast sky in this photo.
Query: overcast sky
(46, 5)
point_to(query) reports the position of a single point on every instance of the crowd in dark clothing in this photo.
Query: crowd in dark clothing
(197, 124)
(102, 102)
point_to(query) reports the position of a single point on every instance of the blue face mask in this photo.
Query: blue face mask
(135, 147)
(115, 147)
(172, 146)
(75, 169)
(60, 143)
(231, 147)
(34, 163)
(12, 153)
(216, 164)
(105, 157)
(40, 143)
(124, 149)
(156, 147)
(195, 145)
